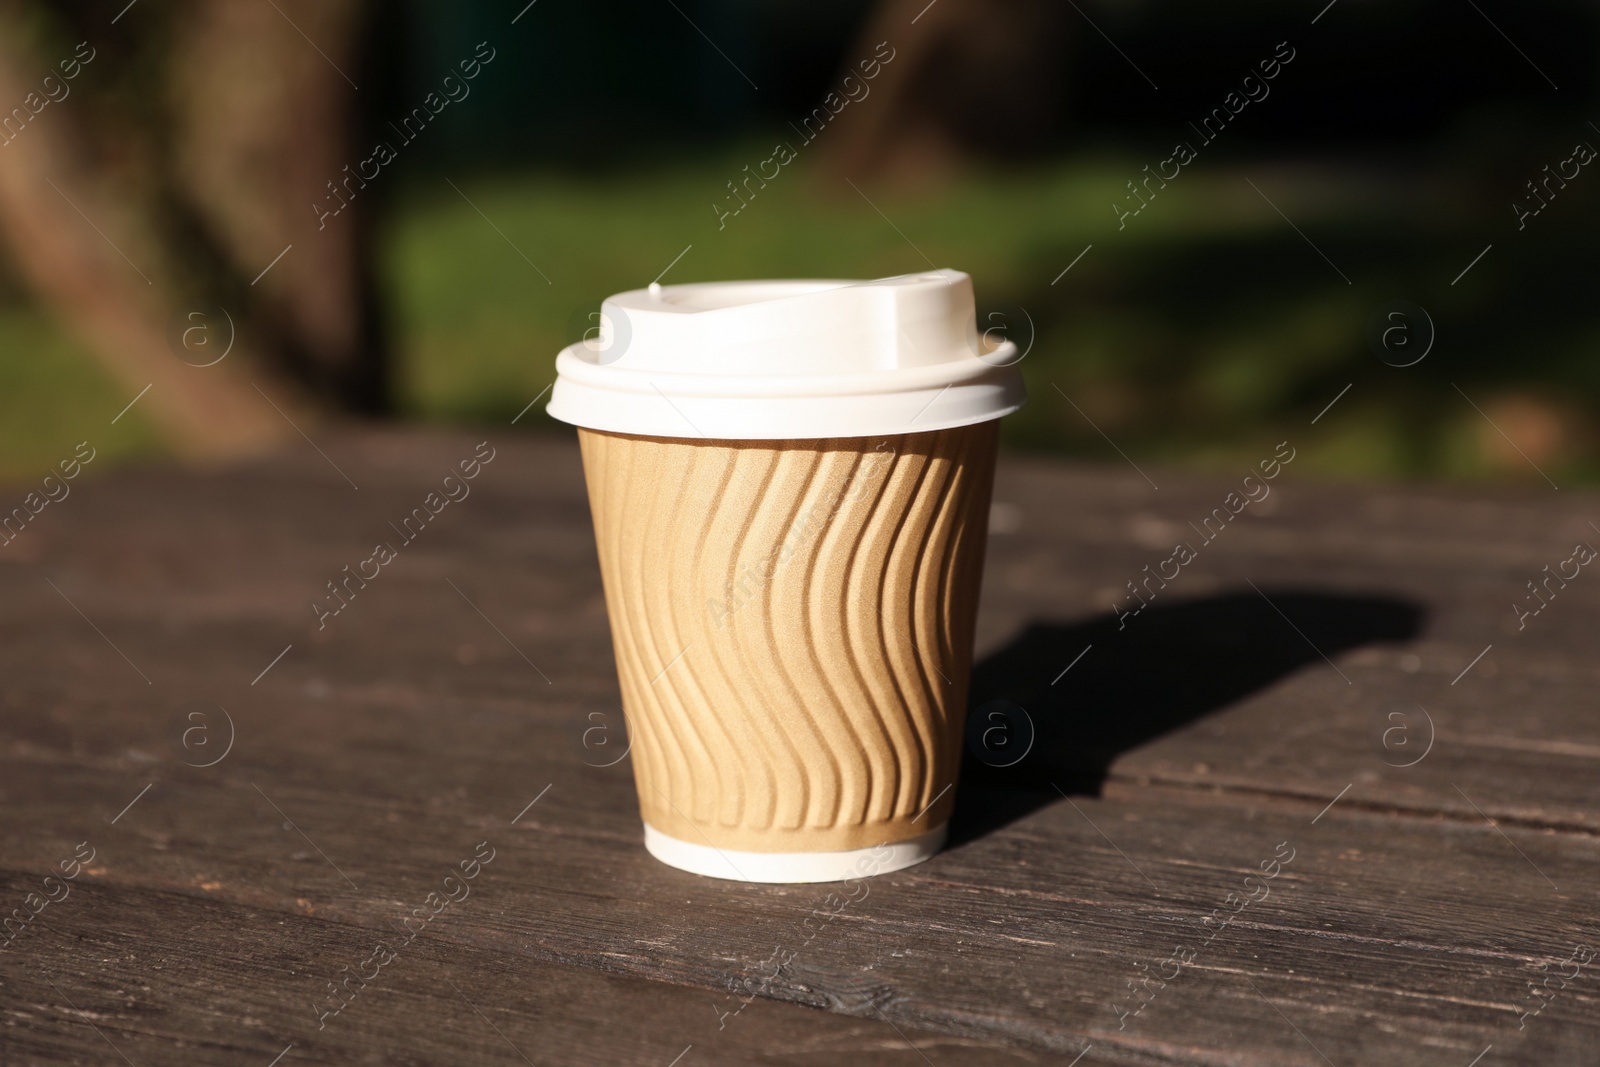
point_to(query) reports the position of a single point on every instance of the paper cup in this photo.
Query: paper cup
(793, 615)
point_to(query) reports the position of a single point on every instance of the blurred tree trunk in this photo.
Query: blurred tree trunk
(184, 161)
(969, 79)
(266, 127)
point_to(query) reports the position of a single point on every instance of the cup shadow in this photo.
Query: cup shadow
(1168, 667)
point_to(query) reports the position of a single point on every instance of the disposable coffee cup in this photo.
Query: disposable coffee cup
(790, 486)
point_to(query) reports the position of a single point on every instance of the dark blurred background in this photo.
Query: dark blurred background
(568, 151)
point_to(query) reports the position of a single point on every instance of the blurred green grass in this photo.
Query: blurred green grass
(54, 395)
(1201, 334)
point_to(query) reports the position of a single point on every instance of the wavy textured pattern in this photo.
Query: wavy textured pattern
(793, 628)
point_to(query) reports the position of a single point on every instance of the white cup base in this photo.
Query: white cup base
(791, 866)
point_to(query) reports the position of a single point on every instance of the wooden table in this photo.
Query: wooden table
(1321, 802)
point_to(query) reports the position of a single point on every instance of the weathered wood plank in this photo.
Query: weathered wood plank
(409, 729)
(1024, 938)
(1175, 689)
(164, 977)
(1211, 687)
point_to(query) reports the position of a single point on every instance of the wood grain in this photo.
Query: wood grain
(1189, 744)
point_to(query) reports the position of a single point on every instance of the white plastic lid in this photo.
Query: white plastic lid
(764, 360)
